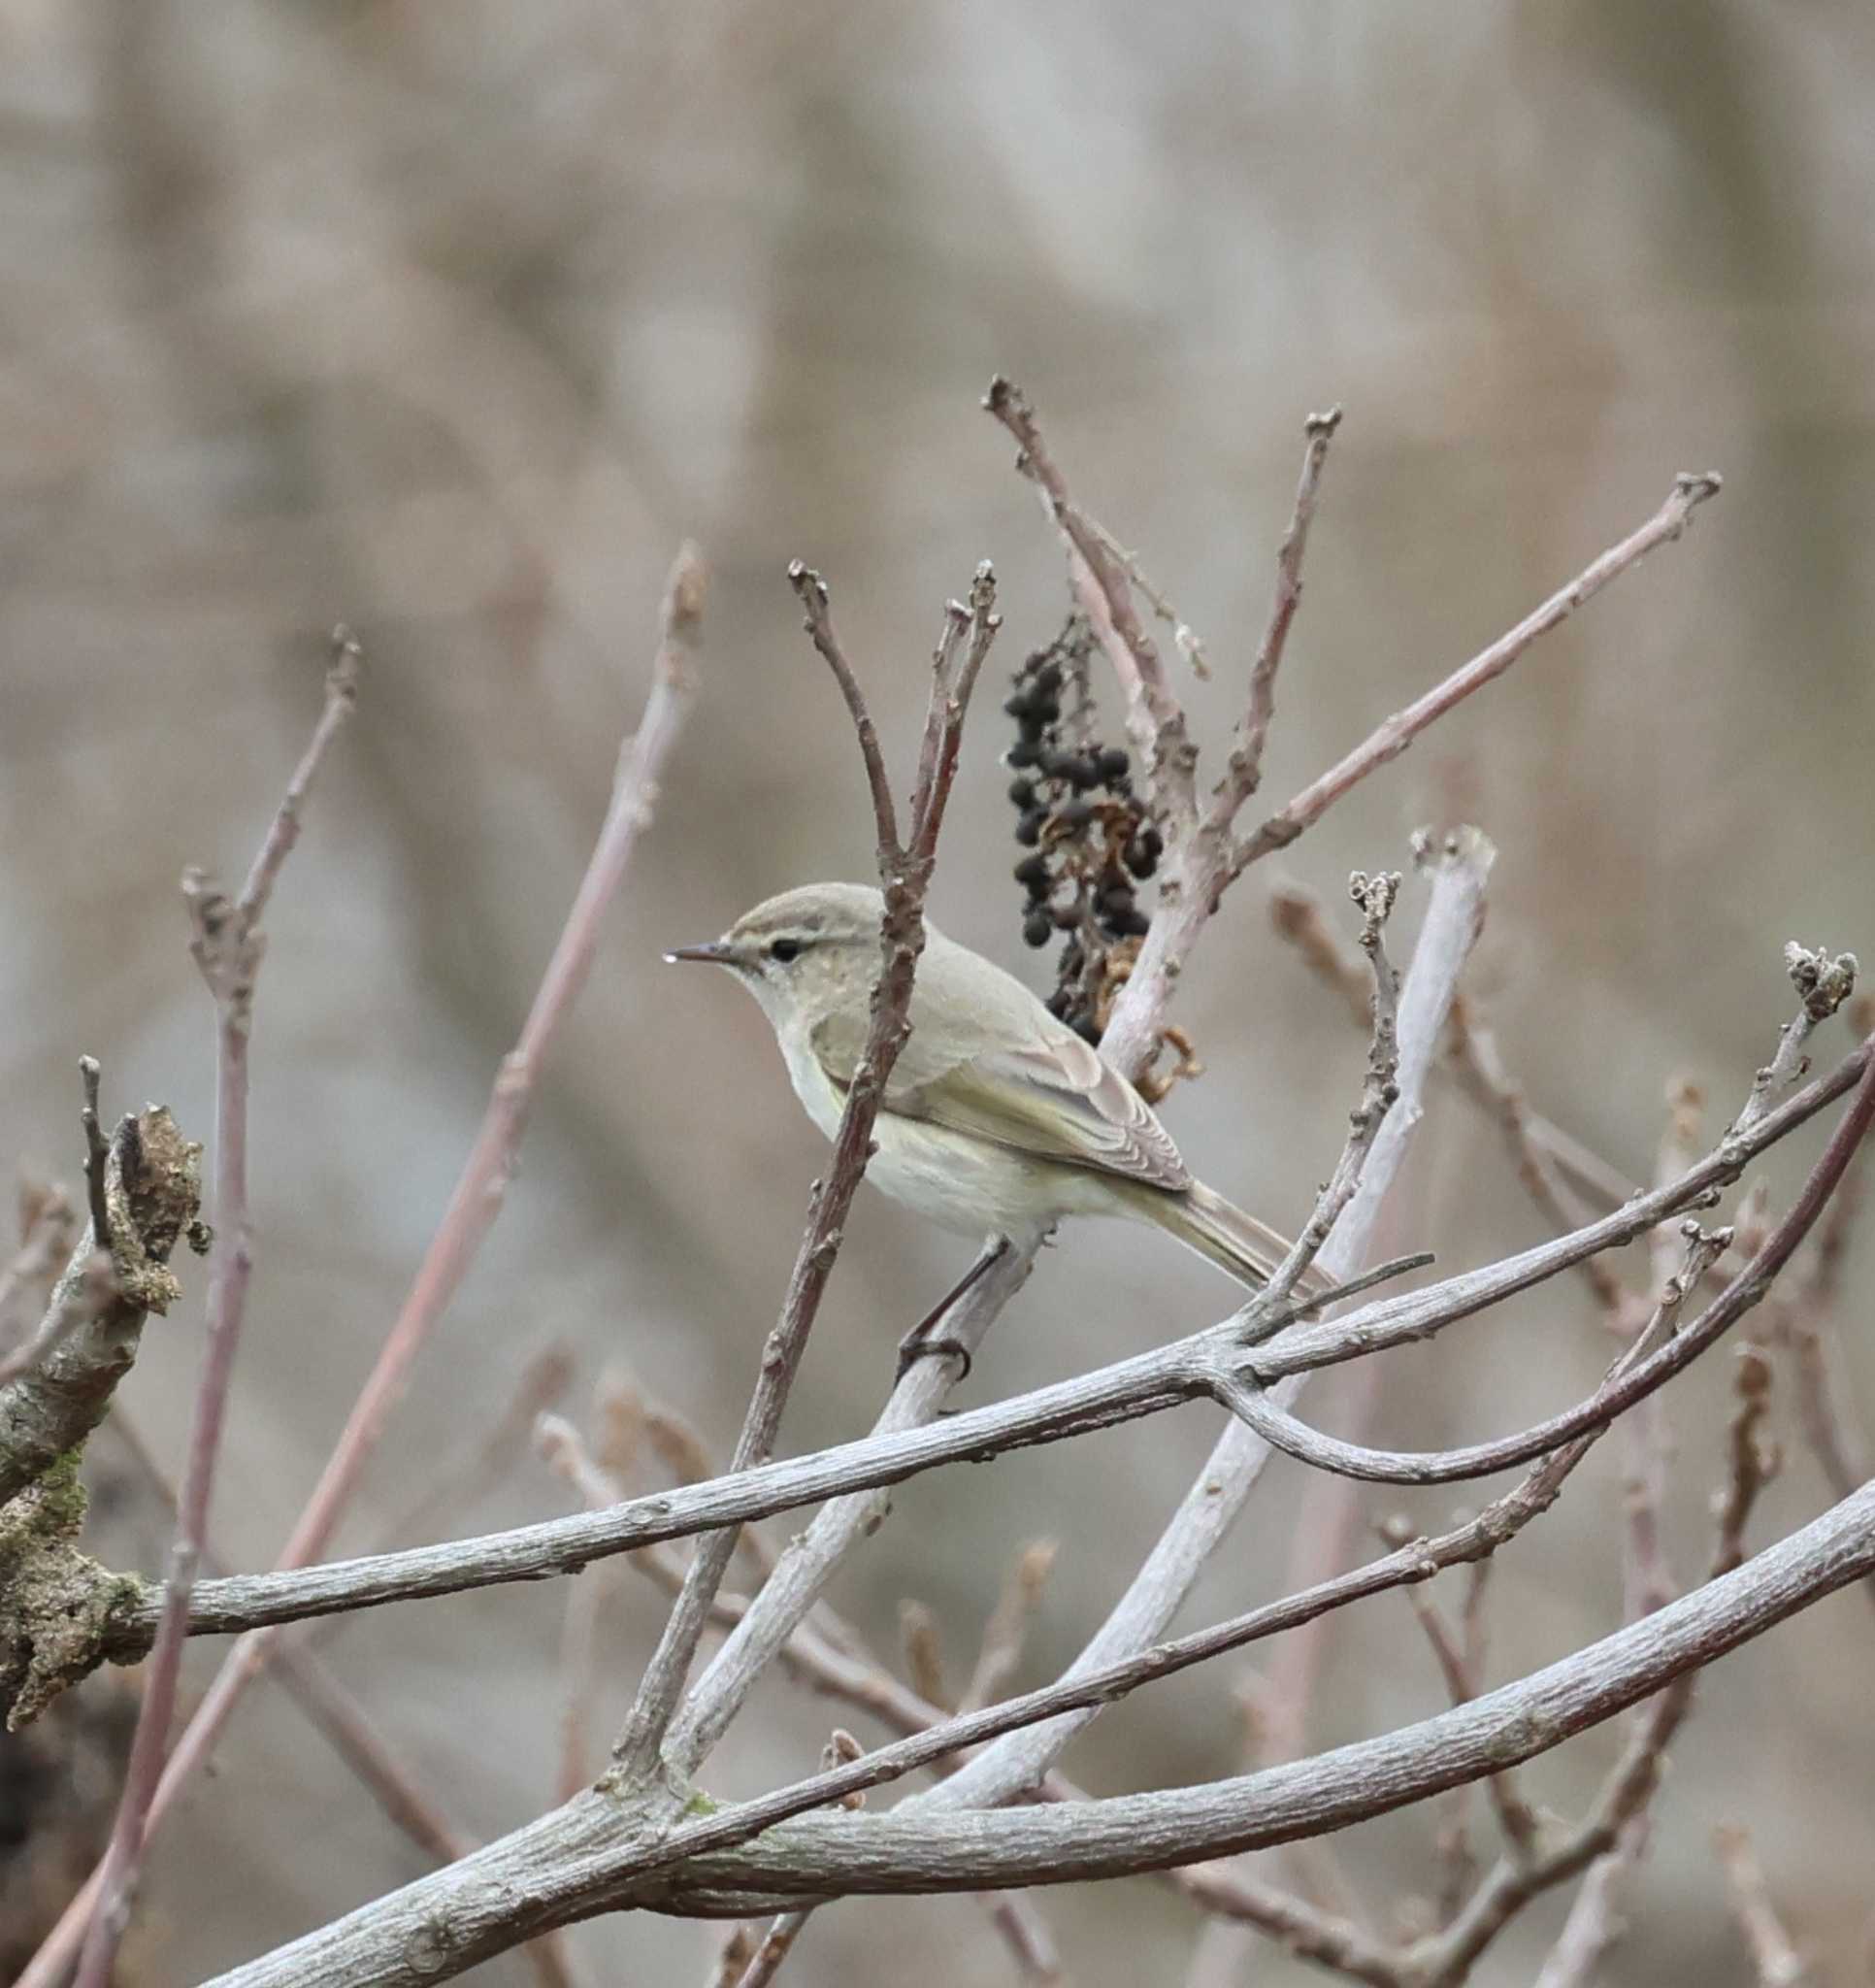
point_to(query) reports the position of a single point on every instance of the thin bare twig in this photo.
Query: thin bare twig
(764, 1963)
(46, 1225)
(1154, 719)
(1456, 1654)
(1379, 1093)
(1001, 1653)
(96, 1152)
(1197, 870)
(1276, 1705)
(348, 1727)
(487, 1454)
(84, 1303)
(1778, 1962)
(1475, 1058)
(904, 871)
(344, 1721)
(1299, 918)
(1618, 1393)
(1609, 1839)
(1236, 1463)
(829, 1658)
(811, 592)
(1807, 1324)
(1186, 640)
(1615, 1397)
(1391, 739)
(228, 946)
(472, 1207)
(923, 1653)
(1245, 773)
(1822, 986)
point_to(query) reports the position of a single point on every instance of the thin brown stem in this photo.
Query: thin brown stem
(811, 592)
(1391, 739)
(904, 871)
(1774, 1956)
(1455, 1654)
(470, 1211)
(1155, 718)
(48, 1224)
(776, 1945)
(228, 946)
(1245, 773)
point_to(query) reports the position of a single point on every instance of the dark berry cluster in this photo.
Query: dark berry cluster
(1090, 841)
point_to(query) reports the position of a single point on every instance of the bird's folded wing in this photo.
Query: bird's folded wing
(1058, 1101)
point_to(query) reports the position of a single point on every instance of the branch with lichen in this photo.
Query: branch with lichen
(55, 1601)
(150, 1192)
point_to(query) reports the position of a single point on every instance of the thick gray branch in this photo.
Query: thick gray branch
(1236, 1462)
(1142, 1385)
(152, 1190)
(579, 1861)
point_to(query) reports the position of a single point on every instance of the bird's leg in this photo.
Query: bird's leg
(919, 1343)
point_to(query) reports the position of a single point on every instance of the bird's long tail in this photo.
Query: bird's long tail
(1239, 1245)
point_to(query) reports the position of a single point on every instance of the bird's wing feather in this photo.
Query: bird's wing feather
(1057, 1099)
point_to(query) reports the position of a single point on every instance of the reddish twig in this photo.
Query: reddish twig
(47, 1225)
(923, 1653)
(228, 945)
(1245, 775)
(307, 1679)
(1458, 1656)
(483, 1459)
(1391, 739)
(473, 1205)
(1199, 868)
(1154, 719)
(1778, 1962)
(1004, 1635)
(764, 1962)
(1277, 1703)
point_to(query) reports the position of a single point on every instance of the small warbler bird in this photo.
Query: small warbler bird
(997, 1119)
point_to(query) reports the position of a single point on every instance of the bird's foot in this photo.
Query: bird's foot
(914, 1346)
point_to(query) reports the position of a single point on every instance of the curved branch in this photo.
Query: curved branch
(1145, 1384)
(1294, 1438)
(579, 1862)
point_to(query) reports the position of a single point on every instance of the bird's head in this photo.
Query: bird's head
(804, 953)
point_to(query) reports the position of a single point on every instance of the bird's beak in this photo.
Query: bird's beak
(716, 955)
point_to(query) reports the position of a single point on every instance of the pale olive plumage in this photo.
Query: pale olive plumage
(998, 1119)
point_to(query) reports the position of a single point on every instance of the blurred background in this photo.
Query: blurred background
(452, 322)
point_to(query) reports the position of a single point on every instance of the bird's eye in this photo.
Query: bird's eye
(784, 949)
